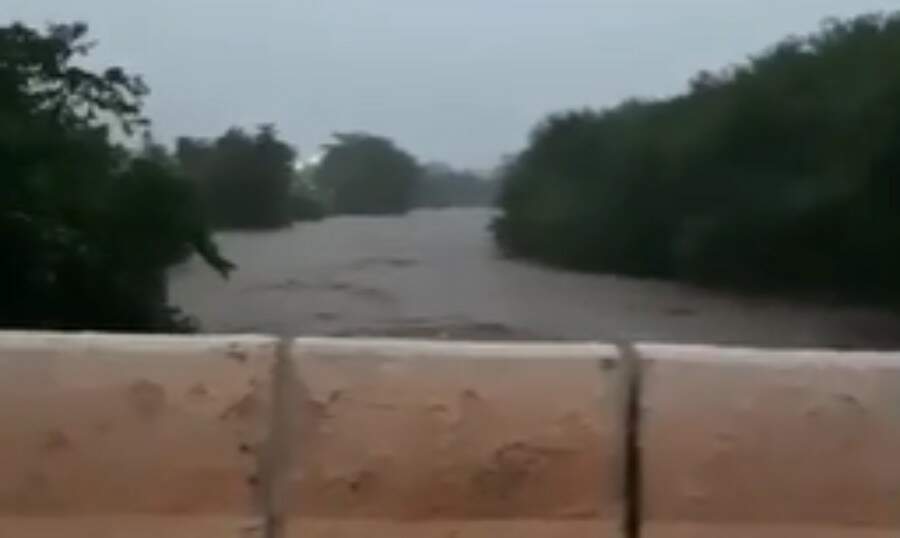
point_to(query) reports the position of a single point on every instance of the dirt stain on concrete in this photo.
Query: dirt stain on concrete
(243, 409)
(148, 399)
(56, 441)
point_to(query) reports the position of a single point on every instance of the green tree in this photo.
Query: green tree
(780, 174)
(366, 174)
(245, 179)
(87, 228)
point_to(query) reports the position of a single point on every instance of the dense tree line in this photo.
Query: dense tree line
(245, 180)
(441, 185)
(778, 174)
(367, 174)
(363, 173)
(87, 227)
(249, 181)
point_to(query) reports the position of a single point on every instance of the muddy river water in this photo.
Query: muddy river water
(437, 274)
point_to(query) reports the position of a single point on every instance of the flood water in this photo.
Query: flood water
(437, 274)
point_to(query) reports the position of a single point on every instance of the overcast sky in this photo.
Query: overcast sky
(456, 80)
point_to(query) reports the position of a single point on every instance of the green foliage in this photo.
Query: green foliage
(245, 180)
(87, 229)
(442, 186)
(365, 174)
(781, 174)
(306, 208)
(305, 199)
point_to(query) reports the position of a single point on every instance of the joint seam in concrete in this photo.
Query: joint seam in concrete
(277, 458)
(632, 472)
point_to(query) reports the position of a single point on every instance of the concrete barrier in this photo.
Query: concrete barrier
(472, 438)
(747, 443)
(217, 436)
(131, 435)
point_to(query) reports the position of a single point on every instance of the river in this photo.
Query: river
(437, 274)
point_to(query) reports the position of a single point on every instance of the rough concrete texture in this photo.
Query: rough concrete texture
(747, 530)
(135, 436)
(399, 430)
(97, 428)
(452, 529)
(130, 526)
(768, 443)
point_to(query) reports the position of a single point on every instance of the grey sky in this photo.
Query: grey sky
(456, 80)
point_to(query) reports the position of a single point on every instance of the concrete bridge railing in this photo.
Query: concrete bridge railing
(216, 436)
